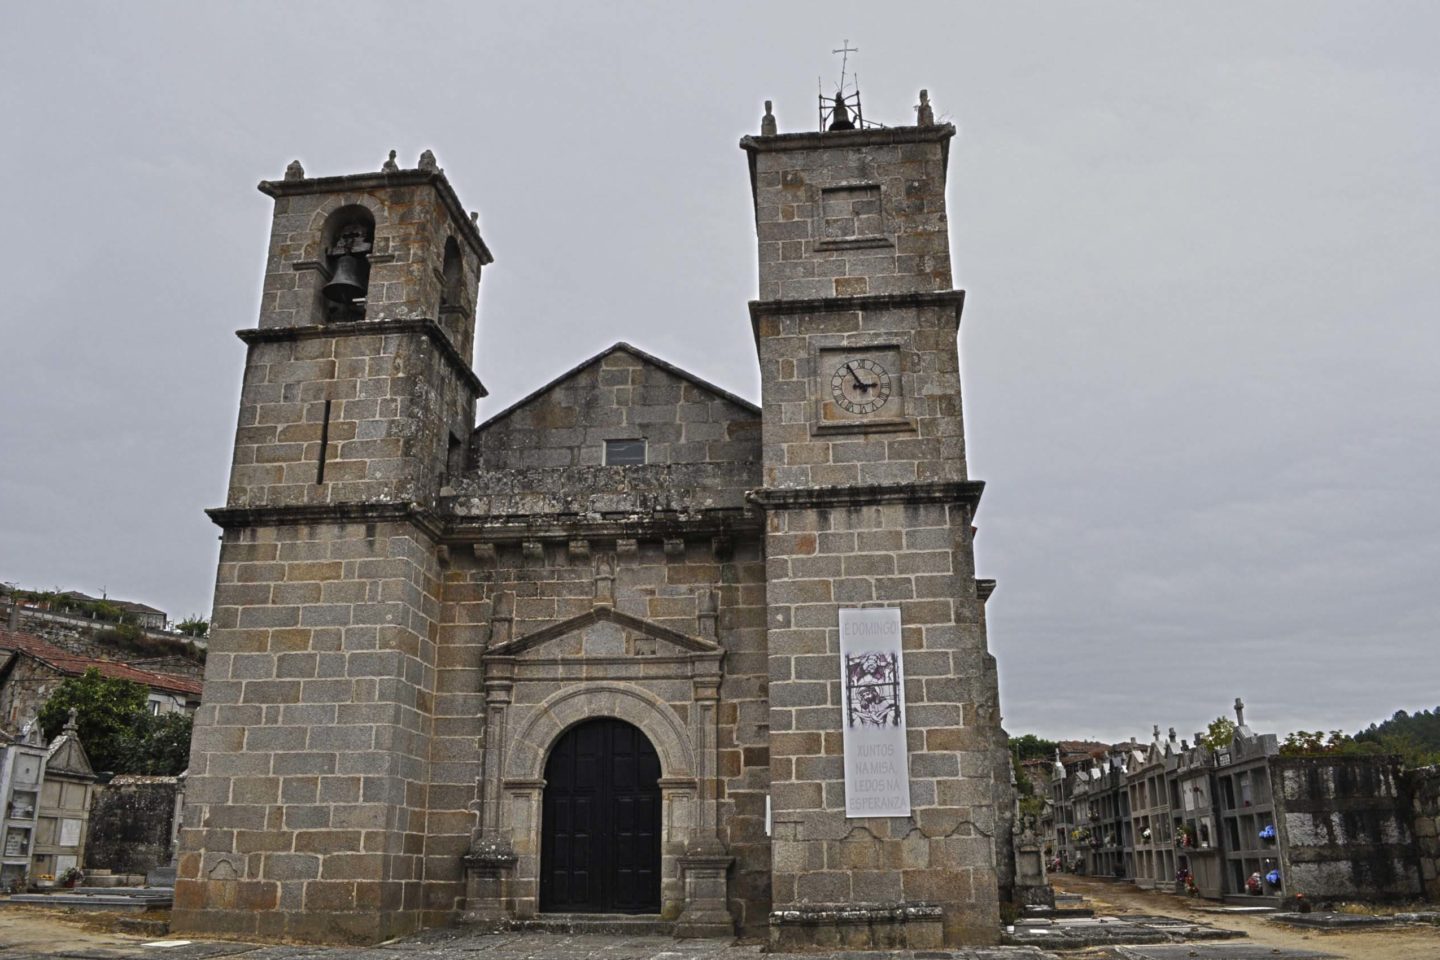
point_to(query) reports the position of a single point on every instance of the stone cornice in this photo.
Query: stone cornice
(230, 518)
(373, 328)
(932, 491)
(549, 527)
(830, 139)
(456, 531)
(872, 301)
(360, 182)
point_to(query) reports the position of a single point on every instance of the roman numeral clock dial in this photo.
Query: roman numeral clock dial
(860, 386)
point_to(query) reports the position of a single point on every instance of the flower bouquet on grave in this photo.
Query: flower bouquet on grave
(1145, 834)
(1267, 832)
(1273, 878)
(1254, 885)
(71, 877)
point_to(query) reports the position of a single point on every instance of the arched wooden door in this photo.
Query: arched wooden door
(600, 822)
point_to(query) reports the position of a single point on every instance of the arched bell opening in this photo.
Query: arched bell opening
(600, 826)
(348, 240)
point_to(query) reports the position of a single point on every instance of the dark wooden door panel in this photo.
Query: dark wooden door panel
(600, 841)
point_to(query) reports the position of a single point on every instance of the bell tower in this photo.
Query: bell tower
(869, 514)
(309, 765)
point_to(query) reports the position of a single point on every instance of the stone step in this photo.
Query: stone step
(1251, 900)
(1057, 911)
(161, 877)
(631, 924)
(120, 899)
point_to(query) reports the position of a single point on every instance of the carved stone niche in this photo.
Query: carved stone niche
(539, 685)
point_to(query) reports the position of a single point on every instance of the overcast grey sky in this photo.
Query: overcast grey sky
(1200, 244)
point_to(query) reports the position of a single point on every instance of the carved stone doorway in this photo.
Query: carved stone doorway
(600, 821)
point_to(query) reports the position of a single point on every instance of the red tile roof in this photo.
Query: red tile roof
(73, 664)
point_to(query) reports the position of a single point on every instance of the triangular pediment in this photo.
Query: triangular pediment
(67, 756)
(605, 632)
(744, 408)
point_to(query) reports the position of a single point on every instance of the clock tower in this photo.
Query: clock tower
(868, 505)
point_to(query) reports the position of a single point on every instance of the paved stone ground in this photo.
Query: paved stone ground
(456, 945)
(1212, 951)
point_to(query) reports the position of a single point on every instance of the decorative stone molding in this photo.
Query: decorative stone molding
(538, 686)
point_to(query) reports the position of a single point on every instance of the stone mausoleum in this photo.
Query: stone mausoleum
(585, 658)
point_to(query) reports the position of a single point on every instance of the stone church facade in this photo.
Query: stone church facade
(584, 657)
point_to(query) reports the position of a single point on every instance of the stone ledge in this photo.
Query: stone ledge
(859, 302)
(857, 926)
(229, 518)
(855, 913)
(868, 137)
(935, 491)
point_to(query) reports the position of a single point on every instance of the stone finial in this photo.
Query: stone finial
(294, 171)
(1172, 734)
(924, 114)
(390, 166)
(70, 725)
(427, 162)
(475, 216)
(1155, 732)
(1239, 712)
(768, 127)
(1199, 739)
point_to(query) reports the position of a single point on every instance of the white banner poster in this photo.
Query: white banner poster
(877, 761)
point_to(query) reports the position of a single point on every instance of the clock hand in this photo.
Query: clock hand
(858, 382)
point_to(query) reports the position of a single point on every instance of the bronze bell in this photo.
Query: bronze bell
(841, 116)
(348, 283)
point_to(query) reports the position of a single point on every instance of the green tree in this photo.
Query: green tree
(194, 627)
(105, 710)
(1219, 734)
(115, 725)
(1031, 747)
(158, 746)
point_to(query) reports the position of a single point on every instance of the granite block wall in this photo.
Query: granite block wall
(622, 395)
(914, 557)
(920, 435)
(851, 213)
(306, 808)
(385, 405)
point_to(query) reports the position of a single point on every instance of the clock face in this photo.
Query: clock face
(860, 386)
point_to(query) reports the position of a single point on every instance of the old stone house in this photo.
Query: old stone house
(587, 657)
(31, 669)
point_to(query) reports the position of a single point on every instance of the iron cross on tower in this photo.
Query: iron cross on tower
(844, 51)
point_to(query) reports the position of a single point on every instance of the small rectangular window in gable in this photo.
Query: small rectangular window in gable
(624, 453)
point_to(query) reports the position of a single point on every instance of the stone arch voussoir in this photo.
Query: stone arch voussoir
(525, 759)
(322, 213)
